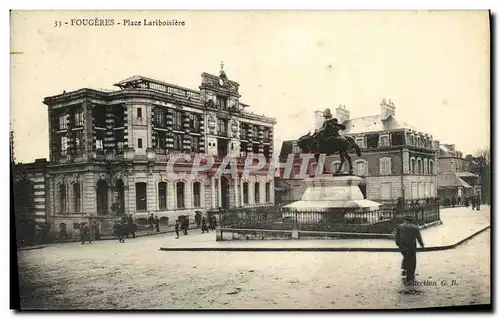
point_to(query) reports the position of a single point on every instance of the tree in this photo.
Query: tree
(480, 164)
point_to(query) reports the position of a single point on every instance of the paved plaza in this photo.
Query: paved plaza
(136, 275)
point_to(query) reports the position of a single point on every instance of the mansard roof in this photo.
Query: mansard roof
(374, 123)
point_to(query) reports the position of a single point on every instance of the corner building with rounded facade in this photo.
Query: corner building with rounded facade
(109, 151)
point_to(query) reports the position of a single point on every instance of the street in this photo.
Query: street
(136, 275)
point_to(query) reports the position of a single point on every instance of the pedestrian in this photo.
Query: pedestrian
(177, 229)
(478, 203)
(473, 203)
(407, 234)
(157, 224)
(120, 231)
(96, 231)
(453, 201)
(210, 223)
(151, 222)
(133, 229)
(204, 225)
(63, 233)
(85, 233)
(213, 222)
(197, 219)
(185, 225)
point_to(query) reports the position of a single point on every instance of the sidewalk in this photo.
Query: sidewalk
(459, 224)
(139, 233)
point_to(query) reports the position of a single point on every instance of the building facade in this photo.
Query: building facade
(109, 151)
(30, 200)
(397, 160)
(455, 181)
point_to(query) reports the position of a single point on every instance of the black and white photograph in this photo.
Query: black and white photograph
(251, 159)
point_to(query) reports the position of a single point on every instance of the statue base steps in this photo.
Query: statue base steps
(333, 194)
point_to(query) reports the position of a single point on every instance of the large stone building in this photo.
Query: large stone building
(109, 151)
(397, 159)
(454, 179)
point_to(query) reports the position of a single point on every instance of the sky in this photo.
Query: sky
(434, 65)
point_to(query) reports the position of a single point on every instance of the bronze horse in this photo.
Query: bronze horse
(340, 144)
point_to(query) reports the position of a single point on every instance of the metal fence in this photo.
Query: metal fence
(382, 221)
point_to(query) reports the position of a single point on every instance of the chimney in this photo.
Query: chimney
(318, 119)
(342, 113)
(387, 108)
(435, 144)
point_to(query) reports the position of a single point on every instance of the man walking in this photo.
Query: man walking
(204, 225)
(407, 234)
(176, 229)
(157, 224)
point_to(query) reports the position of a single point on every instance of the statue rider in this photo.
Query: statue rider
(330, 128)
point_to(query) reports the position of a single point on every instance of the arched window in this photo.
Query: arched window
(412, 166)
(162, 195)
(419, 166)
(431, 168)
(268, 192)
(62, 198)
(102, 197)
(197, 194)
(180, 195)
(141, 199)
(245, 193)
(77, 196)
(257, 192)
(412, 140)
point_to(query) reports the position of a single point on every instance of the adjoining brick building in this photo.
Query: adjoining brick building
(455, 181)
(109, 151)
(397, 159)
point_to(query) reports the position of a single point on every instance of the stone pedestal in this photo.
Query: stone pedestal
(331, 194)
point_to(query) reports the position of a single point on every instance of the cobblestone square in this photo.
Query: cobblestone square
(136, 275)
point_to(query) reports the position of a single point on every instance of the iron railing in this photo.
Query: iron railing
(382, 221)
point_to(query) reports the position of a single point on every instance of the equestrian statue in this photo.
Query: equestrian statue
(327, 140)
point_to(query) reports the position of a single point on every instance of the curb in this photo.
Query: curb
(329, 249)
(100, 239)
(30, 248)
